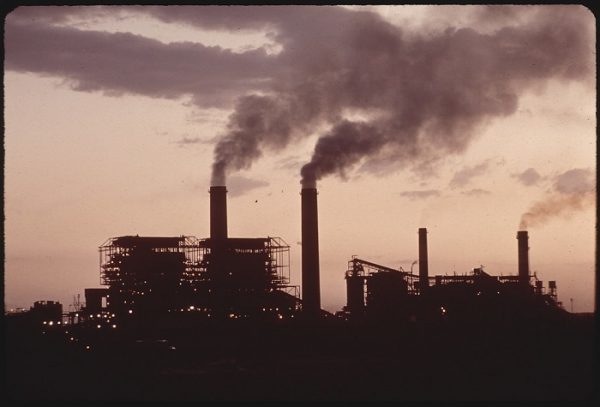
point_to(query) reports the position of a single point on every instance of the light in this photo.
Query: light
(443, 310)
(192, 307)
(87, 347)
(114, 326)
(98, 326)
(44, 322)
(51, 323)
(71, 338)
(98, 315)
(130, 311)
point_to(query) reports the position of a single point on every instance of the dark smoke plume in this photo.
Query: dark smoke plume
(417, 97)
(573, 190)
(387, 97)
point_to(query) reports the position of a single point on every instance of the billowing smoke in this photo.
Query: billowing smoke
(573, 190)
(397, 98)
(377, 94)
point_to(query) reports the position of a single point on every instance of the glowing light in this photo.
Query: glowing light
(98, 326)
(192, 307)
(71, 338)
(98, 315)
(51, 323)
(87, 347)
(44, 322)
(130, 311)
(114, 325)
(443, 310)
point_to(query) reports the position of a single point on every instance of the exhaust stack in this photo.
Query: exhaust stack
(423, 261)
(311, 295)
(218, 213)
(523, 239)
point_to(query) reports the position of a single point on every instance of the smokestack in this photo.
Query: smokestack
(523, 238)
(218, 212)
(423, 262)
(311, 296)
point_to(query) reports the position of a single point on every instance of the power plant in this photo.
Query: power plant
(182, 313)
(232, 278)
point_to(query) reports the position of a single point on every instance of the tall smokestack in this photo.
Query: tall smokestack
(311, 296)
(218, 213)
(523, 238)
(423, 262)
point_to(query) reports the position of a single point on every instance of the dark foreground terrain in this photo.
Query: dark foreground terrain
(299, 361)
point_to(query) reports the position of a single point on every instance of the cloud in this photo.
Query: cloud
(238, 185)
(186, 140)
(463, 177)
(476, 192)
(529, 177)
(422, 194)
(119, 63)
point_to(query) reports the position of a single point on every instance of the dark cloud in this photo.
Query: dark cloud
(238, 185)
(529, 177)
(573, 191)
(476, 192)
(463, 177)
(387, 97)
(121, 63)
(423, 194)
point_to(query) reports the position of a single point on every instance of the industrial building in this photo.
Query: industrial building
(378, 292)
(217, 277)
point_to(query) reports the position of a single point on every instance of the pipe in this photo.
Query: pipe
(311, 296)
(523, 239)
(423, 261)
(218, 212)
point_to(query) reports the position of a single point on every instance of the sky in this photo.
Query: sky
(472, 121)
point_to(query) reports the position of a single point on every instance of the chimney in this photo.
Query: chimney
(523, 238)
(218, 212)
(311, 296)
(423, 262)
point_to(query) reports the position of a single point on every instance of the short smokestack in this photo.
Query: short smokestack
(311, 295)
(218, 213)
(523, 239)
(423, 262)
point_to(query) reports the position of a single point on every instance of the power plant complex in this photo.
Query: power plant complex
(183, 318)
(225, 278)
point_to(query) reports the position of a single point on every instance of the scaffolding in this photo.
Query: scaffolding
(115, 252)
